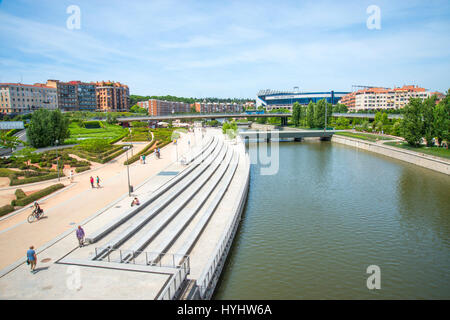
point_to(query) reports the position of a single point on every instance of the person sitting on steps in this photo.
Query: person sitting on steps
(135, 202)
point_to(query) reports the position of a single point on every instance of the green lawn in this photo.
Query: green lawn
(433, 151)
(78, 134)
(363, 136)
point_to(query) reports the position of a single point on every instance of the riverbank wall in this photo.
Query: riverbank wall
(420, 159)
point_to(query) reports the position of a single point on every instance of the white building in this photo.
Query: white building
(17, 98)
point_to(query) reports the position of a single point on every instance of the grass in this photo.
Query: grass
(433, 151)
(78, 133)
(363, 136)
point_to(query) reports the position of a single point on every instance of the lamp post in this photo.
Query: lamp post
(57, 159)
(131, 141)
(128, 171)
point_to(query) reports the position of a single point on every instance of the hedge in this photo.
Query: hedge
(15, 182)
(6, 209)
(142, 152)
(81, 169)
(20, 194)
(37, 195)
(118, 138)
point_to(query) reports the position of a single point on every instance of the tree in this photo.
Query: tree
(412, 124)
(310, 114)
(137, 109)
(319, 114)
(7, 141)
(442, 119)
(428, 119)
(296, 113)
(46, 127)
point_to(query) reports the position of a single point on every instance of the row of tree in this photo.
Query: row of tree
(314, 115)
(426, 119)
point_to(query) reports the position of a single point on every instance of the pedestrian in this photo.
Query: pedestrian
(135, 202)
(140, 159)
(80, 236)
(143, 158)
(92, 182)
(71, 176)
(31, 258)
(98, 182)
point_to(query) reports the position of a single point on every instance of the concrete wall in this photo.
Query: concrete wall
(416, 158)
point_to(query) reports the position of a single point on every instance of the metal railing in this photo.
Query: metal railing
(145, 258)
(174, 286)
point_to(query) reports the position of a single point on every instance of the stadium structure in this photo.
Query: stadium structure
(273, 99)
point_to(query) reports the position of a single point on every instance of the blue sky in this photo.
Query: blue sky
(227, 48)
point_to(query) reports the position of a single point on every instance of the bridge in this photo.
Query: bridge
(283, 116)
(297, 135)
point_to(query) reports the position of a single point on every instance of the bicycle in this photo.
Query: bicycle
(35, 215)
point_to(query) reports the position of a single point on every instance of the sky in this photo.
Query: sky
(227, 48)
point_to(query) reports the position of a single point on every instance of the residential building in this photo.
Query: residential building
(75, 95)
(217, 107)
(112, 96)
(383, 98)
(18, 98)
(157, 107)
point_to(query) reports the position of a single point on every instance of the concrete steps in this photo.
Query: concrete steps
(135, 224)
(177, 227)
(191, 196)
(151, 198)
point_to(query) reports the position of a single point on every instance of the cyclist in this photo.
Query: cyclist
(37, 210)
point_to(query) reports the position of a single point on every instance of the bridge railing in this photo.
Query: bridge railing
(173, 287)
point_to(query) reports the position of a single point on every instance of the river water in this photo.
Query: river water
(311, 230)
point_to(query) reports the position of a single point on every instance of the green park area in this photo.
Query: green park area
(432, 151)
(363, 136)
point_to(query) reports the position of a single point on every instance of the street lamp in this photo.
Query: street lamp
(131, 141)
(128, 172)
(57, 159)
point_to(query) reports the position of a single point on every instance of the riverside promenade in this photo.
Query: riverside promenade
(172, 246)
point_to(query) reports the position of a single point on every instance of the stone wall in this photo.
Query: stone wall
(420, 159)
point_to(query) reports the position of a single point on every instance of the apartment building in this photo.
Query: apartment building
(383, 98)
(213, 107)
(157, 107)
(17, 98)
(112, 96)
(74, 95)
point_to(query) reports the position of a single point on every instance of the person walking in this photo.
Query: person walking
(71, 176)
(80, 236)
(143, 158)
(92, 182)
(31, 258)
(98, 182)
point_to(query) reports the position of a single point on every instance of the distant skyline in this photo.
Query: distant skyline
(227, 48)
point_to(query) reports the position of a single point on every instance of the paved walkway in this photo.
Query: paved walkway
(68, 208)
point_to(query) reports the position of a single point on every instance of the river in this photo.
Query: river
(311, 230)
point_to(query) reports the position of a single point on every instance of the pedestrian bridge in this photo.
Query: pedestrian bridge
(297, 135)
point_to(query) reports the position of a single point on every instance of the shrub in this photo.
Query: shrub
(142, 152)
(15, 182)
(20, 194)
(37, 195)
(81, 169)
(92, 124)
(6, 209)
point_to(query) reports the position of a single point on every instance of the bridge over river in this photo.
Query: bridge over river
(297, 135)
